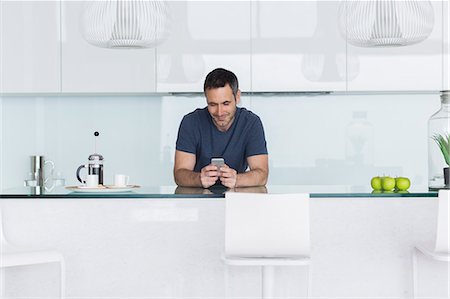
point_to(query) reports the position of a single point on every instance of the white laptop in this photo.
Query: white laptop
(267, 225)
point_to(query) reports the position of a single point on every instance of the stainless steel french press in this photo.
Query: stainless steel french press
(95, 166)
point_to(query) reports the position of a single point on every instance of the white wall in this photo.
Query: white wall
(311, 140)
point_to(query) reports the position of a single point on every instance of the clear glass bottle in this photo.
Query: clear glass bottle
(438, 124)
(359, 140)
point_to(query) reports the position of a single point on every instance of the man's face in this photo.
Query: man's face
(222, 106)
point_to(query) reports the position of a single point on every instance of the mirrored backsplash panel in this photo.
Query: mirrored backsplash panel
(312, 140)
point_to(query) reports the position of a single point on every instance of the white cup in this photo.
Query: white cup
(121, 180)
(92, 180)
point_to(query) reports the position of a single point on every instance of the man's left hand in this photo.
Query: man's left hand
(228, 176)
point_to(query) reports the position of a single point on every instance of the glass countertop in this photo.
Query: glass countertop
(315, 191)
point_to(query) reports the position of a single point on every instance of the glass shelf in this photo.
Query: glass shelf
(317, 191)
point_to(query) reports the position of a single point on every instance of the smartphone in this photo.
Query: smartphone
(219, 162)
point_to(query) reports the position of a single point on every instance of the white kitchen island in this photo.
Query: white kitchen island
(150, 245)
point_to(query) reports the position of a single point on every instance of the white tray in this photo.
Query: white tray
(103, 189)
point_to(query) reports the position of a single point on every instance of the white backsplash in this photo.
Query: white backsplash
(316, 140)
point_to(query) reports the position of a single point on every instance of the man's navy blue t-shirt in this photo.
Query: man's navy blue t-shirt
(198, 135)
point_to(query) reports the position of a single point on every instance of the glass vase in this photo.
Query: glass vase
(438, 135)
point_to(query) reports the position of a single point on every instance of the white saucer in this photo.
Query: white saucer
(121, 187)
(102, 189)
(88, 187)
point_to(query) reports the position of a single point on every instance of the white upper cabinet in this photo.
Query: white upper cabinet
(446, 37)
(270, 45)
(87, 68)
(296, 46)
(417, 67)
(204, 35)
(29, 46)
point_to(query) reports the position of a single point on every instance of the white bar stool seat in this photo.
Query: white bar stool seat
(13, 256)
(267, 230)
(431, 253)
(440, 250)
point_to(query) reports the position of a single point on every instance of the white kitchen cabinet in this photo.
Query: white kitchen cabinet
(204, 35)
(29, 46)
(416, 67)
(86, 68)
(172, 247)
(446, 37)
(296, 46)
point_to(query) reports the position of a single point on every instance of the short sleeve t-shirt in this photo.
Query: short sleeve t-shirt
(198, 135)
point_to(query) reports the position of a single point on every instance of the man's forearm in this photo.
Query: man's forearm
(187, 178)
(255, 177)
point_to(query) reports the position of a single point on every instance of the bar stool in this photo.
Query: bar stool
(267, 230)
(13, 256)
(440, 250)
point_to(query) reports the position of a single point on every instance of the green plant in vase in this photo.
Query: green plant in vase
(443, 141)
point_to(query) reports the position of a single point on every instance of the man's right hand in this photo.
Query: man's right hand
(209, 175)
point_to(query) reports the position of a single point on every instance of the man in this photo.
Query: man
(221, 130)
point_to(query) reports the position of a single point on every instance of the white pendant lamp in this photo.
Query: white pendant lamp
(125, 24)
(385, 23)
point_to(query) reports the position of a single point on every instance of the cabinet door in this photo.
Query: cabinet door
(29, 46)
(415, 67)
(446, 36)
(87, 68)
(296, 46)
(204, 35)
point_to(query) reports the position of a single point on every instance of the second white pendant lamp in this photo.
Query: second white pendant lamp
(125, 24)
(385, 23)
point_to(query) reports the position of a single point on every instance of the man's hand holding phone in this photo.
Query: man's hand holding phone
(228, 176)
(211, 173)
(218, 169)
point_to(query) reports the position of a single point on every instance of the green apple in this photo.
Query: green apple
(402, 183)
(375, 182)
(377, 192)
(387, 183)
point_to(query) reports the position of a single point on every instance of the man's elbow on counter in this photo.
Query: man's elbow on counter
(186, 178)
(265, 178)
(262, 177)
(177, 178)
